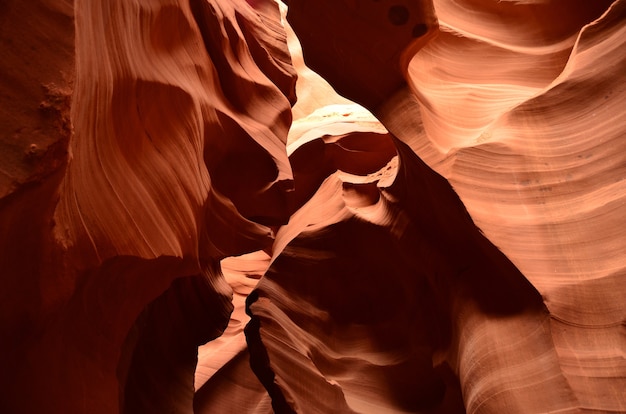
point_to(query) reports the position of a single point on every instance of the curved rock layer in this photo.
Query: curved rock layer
(429, 296)
(528, 131)
(111, 260)
(224, 381)
(158, 115)
(148, 206)
(541, 169)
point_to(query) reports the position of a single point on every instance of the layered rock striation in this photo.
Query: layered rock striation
(180, 234)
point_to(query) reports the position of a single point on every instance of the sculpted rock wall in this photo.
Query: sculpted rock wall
(507, 120)
(155, 155)
(541, 170)
(462, 250)
(111, 265)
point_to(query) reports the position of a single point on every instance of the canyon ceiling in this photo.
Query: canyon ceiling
(192, 219)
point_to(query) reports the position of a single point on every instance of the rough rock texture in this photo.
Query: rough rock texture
(111, 246)
(171, 242)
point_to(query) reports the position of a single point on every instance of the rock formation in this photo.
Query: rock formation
(193, 220)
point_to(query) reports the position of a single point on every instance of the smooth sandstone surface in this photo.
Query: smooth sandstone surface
(192, 220)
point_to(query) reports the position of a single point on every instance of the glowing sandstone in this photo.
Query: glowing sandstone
(380, 295)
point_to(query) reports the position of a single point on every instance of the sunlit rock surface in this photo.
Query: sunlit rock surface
(460, 251)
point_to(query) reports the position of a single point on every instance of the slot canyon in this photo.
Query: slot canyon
(312, 206)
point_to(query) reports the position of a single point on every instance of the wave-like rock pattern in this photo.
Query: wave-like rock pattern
(146, 145)
(527, 129)
(174, 91)
(543, 176)
(112, 257)
(224, 380)
(418, 305)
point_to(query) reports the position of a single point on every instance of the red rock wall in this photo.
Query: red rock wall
(177, 238)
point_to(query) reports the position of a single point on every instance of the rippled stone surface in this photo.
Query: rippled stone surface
(179, 234)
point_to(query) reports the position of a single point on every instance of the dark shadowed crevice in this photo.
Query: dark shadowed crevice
(161, 348)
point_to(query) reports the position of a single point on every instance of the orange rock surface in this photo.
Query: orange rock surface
(194, 220)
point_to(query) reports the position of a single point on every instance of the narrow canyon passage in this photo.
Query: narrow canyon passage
(339, 206)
